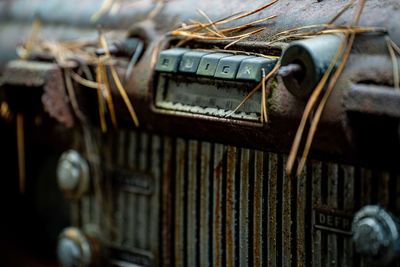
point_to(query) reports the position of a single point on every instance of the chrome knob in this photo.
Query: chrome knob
(73, 174)
(376, 234)
(73, 249)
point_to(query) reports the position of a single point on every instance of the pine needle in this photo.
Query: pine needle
(71, 95)
(108, 94)
(308, 109)
(25, 51)
(105, 7)
(347, 45)
(85, 82)
(248, 96)
(124, 95)
(342, 11)
(247, 25)
(209, 31)
(100, 101)
(211, 22)
(255, 89)
(118, 83)
(320, 109)
(103, 80)
(244, 37)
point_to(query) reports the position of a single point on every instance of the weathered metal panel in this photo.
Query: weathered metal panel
(217, 205)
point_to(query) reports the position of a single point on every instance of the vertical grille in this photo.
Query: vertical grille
(218, 205)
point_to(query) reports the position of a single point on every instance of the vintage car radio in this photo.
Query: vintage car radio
(203, 179)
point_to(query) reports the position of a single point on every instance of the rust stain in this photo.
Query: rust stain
(258, 211)
(272, 201)
(287, 189)
(217, 211)
(230, 202)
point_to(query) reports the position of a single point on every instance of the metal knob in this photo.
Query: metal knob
(73, 249)
(376, 234)
(73, 174)
(304, 63)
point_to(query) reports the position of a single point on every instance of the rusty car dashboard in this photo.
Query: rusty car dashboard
(200, 133)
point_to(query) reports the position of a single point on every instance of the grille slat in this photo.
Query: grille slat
(217, 202)
(230, 207)
(316, 200)
(142, 211)
(179, 202)
(132, 198)
(348, 205)
(287, 201)
(244, 208)
(332, 178)
(154, 221)
(257, 202)
(301, 218)
(205, 204)
(217, 205)
(191, 204)
(272, 202)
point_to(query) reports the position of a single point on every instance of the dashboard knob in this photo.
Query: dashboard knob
(73, 174)
(73, 249)
(376, 234)
(304, 62)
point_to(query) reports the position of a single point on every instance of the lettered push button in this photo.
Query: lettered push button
(208, 63)
(191, 61)
(228, 67)
(168, 60)
(250, 69)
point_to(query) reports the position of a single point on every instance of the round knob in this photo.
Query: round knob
(376, 234)
(73, 174)
(304, 63)
(73, 249)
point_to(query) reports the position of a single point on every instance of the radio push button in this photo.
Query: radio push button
(228, 67)
(191, 61)
(208, 64)
(168, 60)
(250, 69)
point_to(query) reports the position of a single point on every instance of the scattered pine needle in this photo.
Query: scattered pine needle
(344, 51)
(211, 22)
(103, 79)
(210, 32)
(341, 12)
(100, 99)
(262, 85)
(25, 51)
(264, 115)
(71, 95)
(244, 37)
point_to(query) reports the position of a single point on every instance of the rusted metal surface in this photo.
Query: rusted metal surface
(238, 214)
(369, 62)
(373, 100)
(33, 75)
(225, 201)
(244, 208)
(272, 211)
(230, 211)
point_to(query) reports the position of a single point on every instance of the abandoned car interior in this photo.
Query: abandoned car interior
(200, 133)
